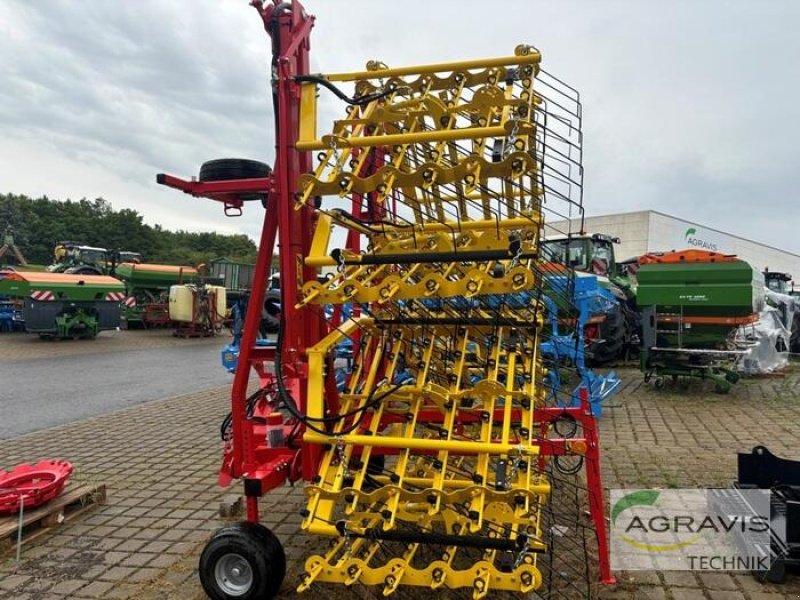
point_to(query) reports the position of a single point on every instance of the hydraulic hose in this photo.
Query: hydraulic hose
(354, 101)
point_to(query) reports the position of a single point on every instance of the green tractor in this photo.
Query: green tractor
(613, 335)
(74, 258)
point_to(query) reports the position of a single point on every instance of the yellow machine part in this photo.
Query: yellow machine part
(457, 500)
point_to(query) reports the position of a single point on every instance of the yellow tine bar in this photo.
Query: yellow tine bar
(467, 133)
(532, 57)
(541, 489)
(456, 446)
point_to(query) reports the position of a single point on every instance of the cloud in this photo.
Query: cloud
(688, 108)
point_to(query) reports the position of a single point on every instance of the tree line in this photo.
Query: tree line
(39, 223)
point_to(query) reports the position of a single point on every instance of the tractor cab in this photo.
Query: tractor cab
(778, 282)
(591, 254)
(72, 257)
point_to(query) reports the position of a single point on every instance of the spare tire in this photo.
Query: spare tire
(224, 169)
(271, 315)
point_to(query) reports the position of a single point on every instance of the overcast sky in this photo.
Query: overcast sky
(690, 107)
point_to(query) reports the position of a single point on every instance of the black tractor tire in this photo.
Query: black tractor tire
(223, 169)
(794, 340)
(244, 561)
(633, 325)
(612, 338)
(271, 315)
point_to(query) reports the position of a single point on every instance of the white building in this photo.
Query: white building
(652, 231)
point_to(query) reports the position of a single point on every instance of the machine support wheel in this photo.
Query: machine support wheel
(243, 561)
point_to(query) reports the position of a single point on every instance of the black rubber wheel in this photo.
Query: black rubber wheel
(794, 340)
(244, 561)
(612, 339)
(223, 169)
(271, 315)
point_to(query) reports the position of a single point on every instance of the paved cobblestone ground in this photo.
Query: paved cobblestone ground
(159, 462)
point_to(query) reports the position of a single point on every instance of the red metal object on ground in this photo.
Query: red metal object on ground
(37, 484)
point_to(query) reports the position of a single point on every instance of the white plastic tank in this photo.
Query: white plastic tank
(221, 301)
(181, 303)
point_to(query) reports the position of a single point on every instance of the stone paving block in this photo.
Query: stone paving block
(67, 587)
(718, 581)
(108, 543)
(96, 589)
(118, 573)
(156, 547)
(725, 595)
(13, 582)
(137, 559)
(130, 545)
(680, 579)
(125, 533)
(123, 591)
(650, 592)
(144, 575)
(749, 583)
(180, 548)
(114, 557)
(687, 594)
(164, 561)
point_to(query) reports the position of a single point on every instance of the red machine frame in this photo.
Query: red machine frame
(265, 468)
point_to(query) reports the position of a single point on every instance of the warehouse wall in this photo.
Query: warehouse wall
(651, 231)
(668, 233)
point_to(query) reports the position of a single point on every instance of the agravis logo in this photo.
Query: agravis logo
(645, 498)
(680, 529)
(691, 238)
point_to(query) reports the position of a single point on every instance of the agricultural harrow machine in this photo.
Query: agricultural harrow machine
(444, 459)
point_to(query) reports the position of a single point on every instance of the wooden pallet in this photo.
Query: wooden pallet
(72, 503)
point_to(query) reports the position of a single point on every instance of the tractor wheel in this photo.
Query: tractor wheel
(224, 169)
(243, 561)
(794, 340)
(612, 336)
